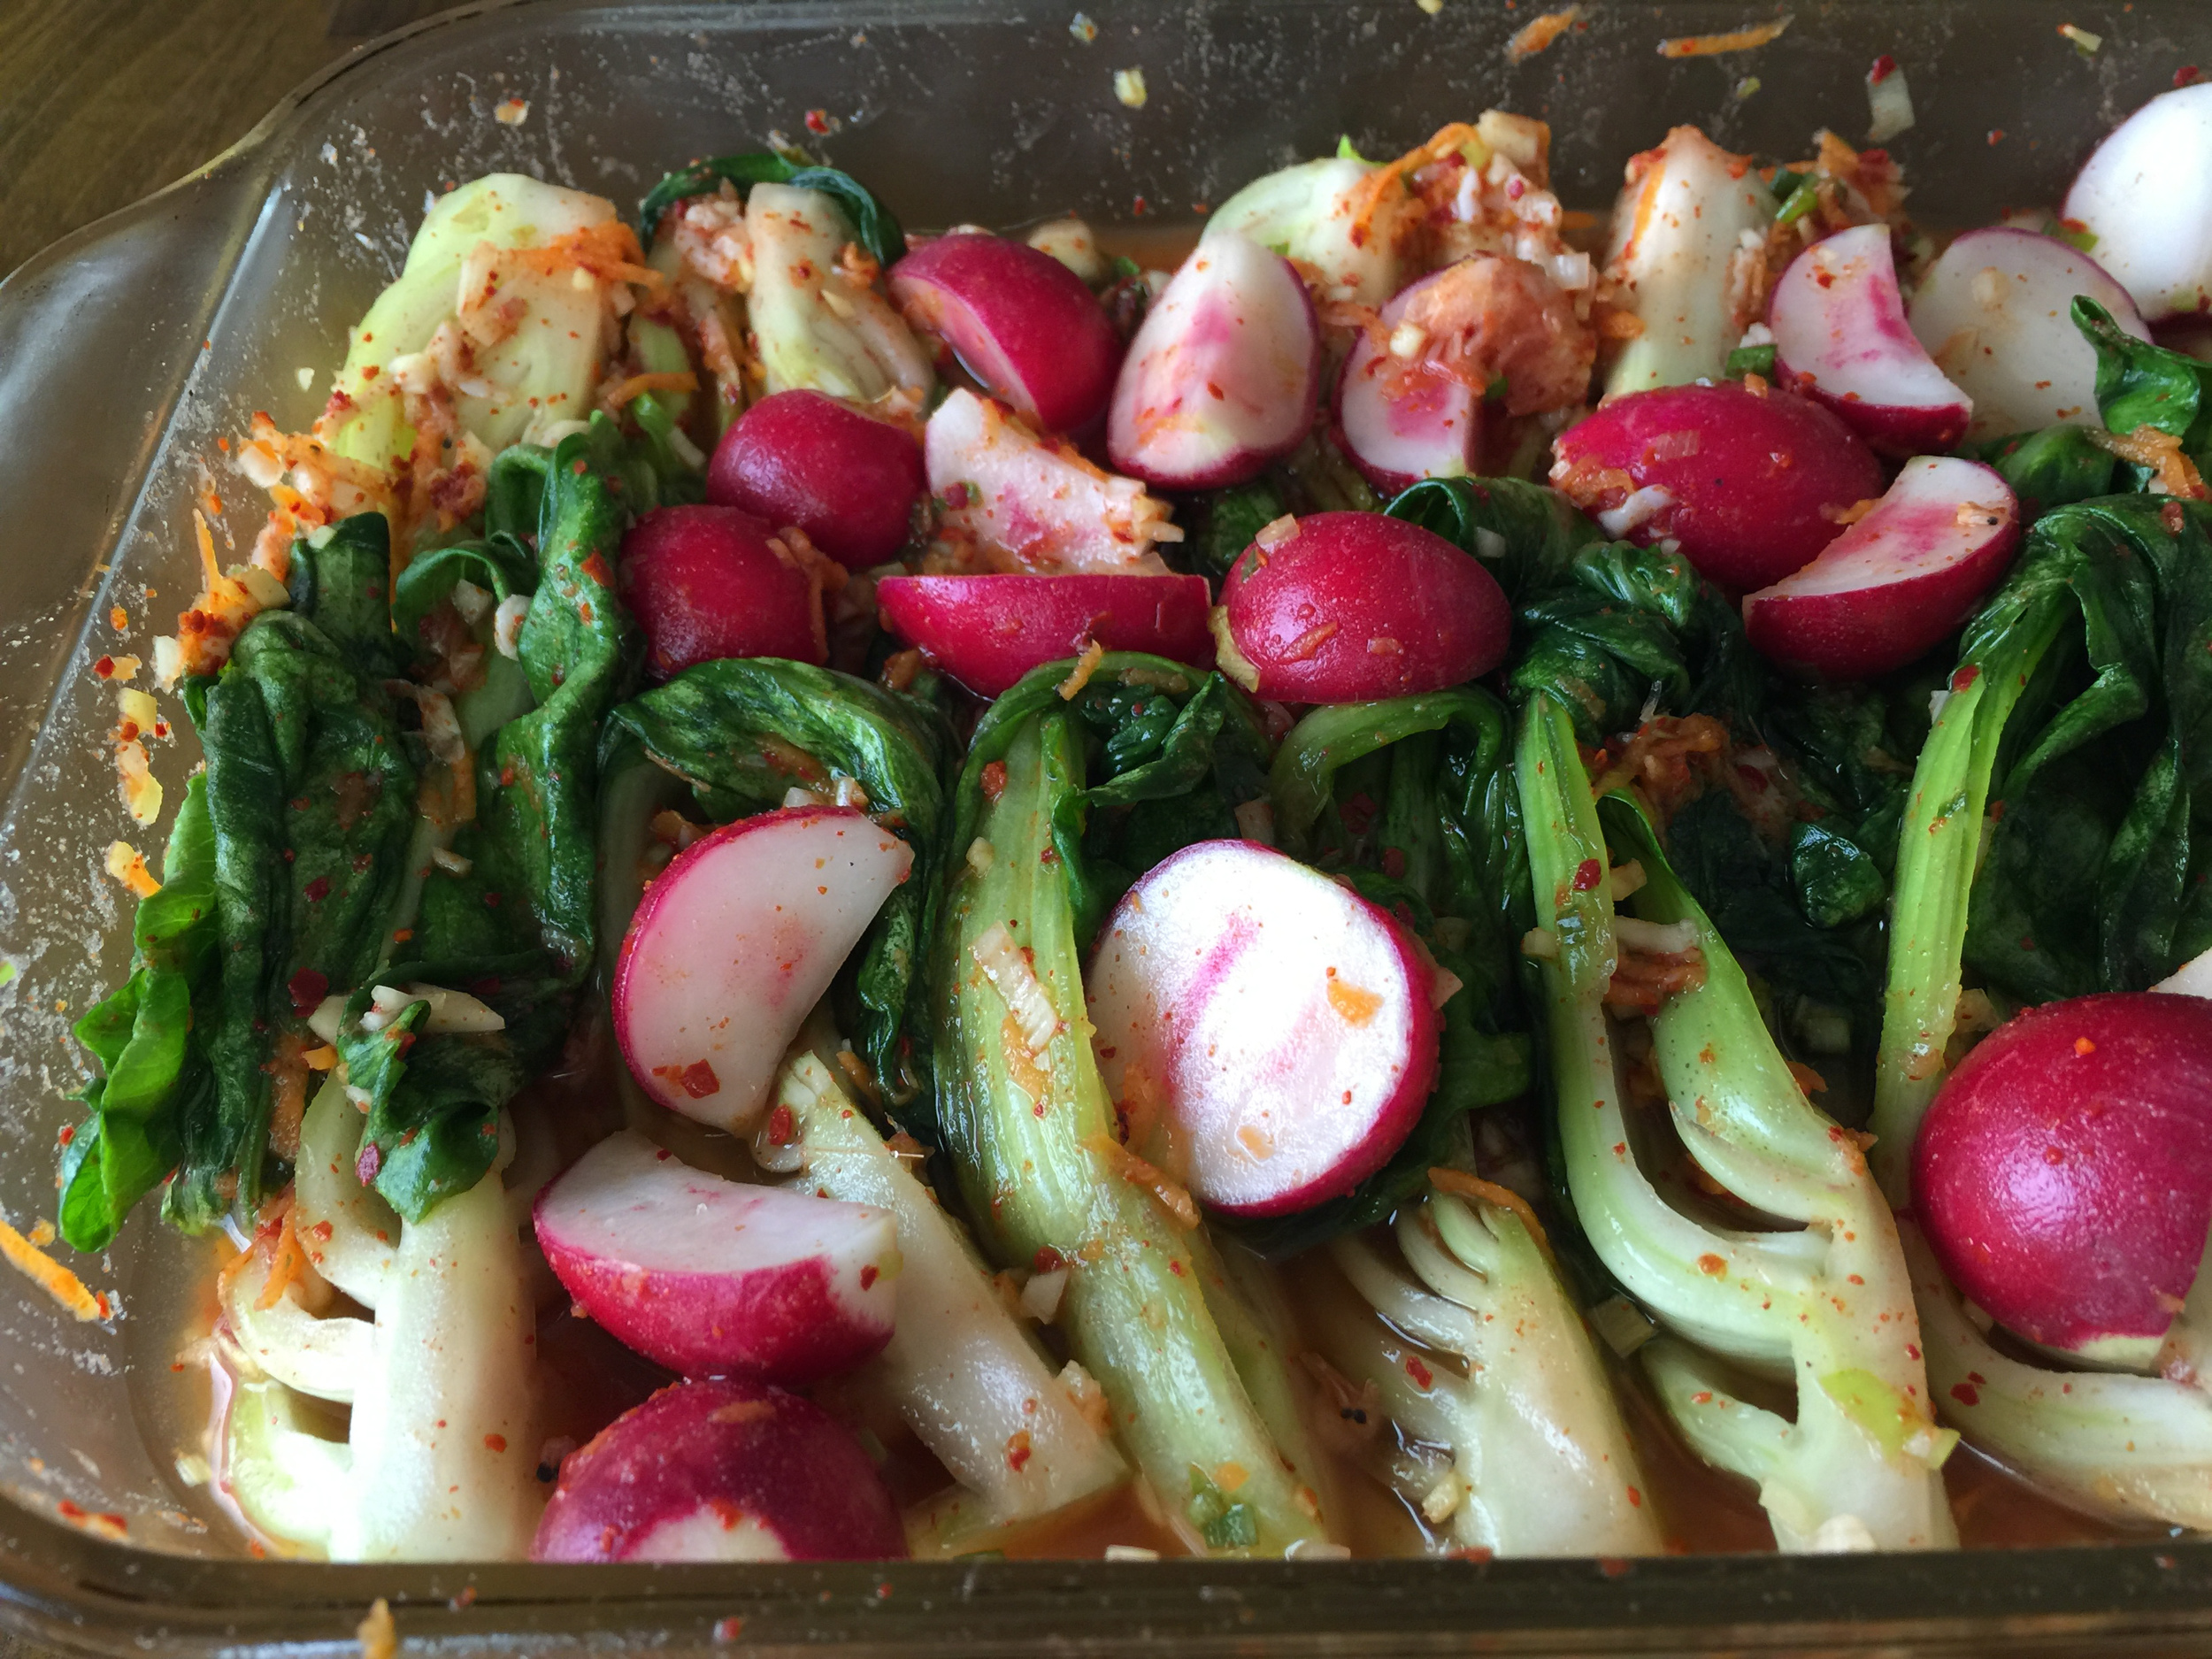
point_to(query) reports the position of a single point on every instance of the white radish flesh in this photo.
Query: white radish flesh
(2145, 195)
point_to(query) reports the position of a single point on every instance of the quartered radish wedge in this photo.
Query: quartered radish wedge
(2146, 196)
(986, 631)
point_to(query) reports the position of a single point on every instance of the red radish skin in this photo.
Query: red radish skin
(1270, 1035)
(2064, 1174)
(721, 1471)
(734, 943)
(1347, 606)
(712, 1278)
(1751, 485)
(1024, 324)
(847, 479)
(986, 631)
(706, 582)
(1894, 584)
(2145, 195)
(1840, 334)
(1223, 374)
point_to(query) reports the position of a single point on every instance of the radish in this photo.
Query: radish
(1895, 583)
(986, 631)
(1356, 241)
(720, 1471)
(2064, 1174)
(847, 479)
(1751, 484)
(1014, 501)
(2145, 195)
(707, 581)
(1996, 314)
(713, 1277)
(1265, 1032)
(1224, 373)
(1341, 607)
(1840, 334)
(1020, 321)
(734, 942)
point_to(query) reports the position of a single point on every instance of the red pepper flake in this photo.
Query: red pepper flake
(366, 1166)
(317, 890)
(596, 569)
(1017, 1450)
(1885, 66)
(491, 901)
(1176, 1268)
(782, 1129)
(1965, 676)
(1711, 1265)
(1635, 1498)
(495, 1442)
(1394, 862)
(1996, 137)
(1963, 1392)
(817, 122)
(68, 1134)
(2171, 515)
(697, 1079)
(869, 1275)
(1616, 1566)
(307, 989)
(1422, 1377)
(1358, 813)
(993, 779)
(728, 1629)
(1047, 1260)
(2187, 75)
(1589, 873)
(1139, 208)
(105, 668)
(2082, 1045)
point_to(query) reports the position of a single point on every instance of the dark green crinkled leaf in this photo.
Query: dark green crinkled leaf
(873, 225)
(1225, 523)
(432, 1104)
(2140, 384)
(2051, 468)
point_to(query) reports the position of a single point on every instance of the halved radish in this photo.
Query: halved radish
(706, 582)
(847, 479)
(732, 945)
(1341, 607)
(1996, 314)
(2145, 195)
(713, 1277)
(1894, 584)
(1026, 503)
(1840, 334)
(986, 631)
(1224, 373)
(1267, 1034)
(1751, 484)
(720, 1471)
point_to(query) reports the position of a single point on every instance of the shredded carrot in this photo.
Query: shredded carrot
(1733, 41)
(1137, 1173)
(1086, 665)
(286, 1258)
(1461, 1185)
(2147, 446)
(1540, 32)
(670, 380)
(1369, 194)
(50, 1276)
(127, 866)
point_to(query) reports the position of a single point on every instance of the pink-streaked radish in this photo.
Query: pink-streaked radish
(734, 941)
(1341, 607)
(1410, 403)
(720, 1470)
(2145, 195)
(1996, 314)
(1840, 334)
(707, 583)
(986, 631)
(1013, 500)
(847, 479)
(1895, 583)
(2064, 1175)
(1224, 373)
(1265, 1031)
(1751, 485)
(715, 1277)
(1021, 322)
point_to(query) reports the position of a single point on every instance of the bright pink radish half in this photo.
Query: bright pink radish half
(1341, 607)
(986, 631)
(1224, 373)
(1410, 403)
(734, 943)
(707, 583)
(1840, 334)
(720, 1471)
(2145, 195)
(1022, 323)
(1996, 314)
(1751, 485)
(713, 1277)
(1268, 1032)
(2064, 1174)
(847, 479)
(1896, 582)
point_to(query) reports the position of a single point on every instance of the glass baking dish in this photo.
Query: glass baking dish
(126, 351)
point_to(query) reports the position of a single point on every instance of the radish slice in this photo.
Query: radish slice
(1896, 582)
(720, 1471)
(1224, 373)
(1270, 1036)
(710, 1277)
(734, 942)
(1840, 334)
(1996, 314)
(2145, 195)
(986, 631)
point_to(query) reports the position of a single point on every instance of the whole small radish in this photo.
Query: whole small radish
(1898, 581)
(706, 582)
(1341, 607)
(849, 480)
(720, 1470)
(988, 631)
(1024, 325)
(1752, 483)
(2064, 1174)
